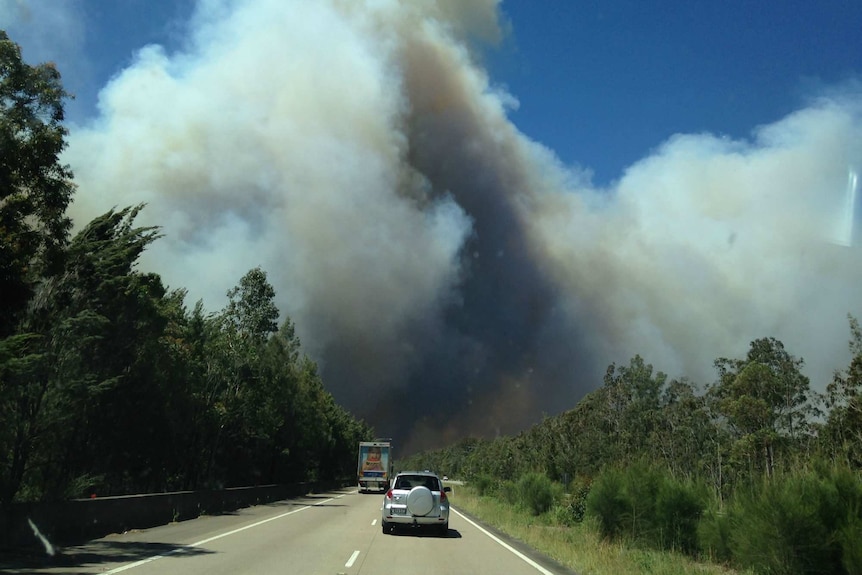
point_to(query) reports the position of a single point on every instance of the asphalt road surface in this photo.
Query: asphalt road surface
(327, 534)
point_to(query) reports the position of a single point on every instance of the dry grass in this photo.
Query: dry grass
(579, 548)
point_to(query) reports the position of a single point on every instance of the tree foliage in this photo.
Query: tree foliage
(747, 471)
(842, 435)
(764, 399)
(35, 188)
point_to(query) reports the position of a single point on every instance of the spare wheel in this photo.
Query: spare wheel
(420, 501)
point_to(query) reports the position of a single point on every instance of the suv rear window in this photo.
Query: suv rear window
(411, 481)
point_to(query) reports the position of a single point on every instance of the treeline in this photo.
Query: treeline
(758, 419)
(109, 384)
(754, 469)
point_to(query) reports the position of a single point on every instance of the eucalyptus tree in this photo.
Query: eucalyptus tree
(235, 340)
(686, 438)
(632, 408)
(766, 403)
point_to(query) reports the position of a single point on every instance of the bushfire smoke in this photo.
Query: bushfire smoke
(449, 274)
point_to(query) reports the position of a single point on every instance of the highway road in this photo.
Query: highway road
(325, 534)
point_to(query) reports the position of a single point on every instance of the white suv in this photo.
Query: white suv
(416, 498)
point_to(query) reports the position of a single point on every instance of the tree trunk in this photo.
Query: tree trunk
(768, 453)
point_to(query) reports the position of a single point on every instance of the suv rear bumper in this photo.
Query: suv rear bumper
(397, 519)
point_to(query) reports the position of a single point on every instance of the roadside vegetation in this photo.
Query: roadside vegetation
(752, 472)
(109, 383)
(577, 545)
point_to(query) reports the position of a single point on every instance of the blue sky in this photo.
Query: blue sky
(602, 83)
(672, 182)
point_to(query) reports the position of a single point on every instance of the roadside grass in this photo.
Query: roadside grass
(580, 548)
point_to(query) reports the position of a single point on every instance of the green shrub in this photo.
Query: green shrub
(508, 492)
(843, 516)
(803, 522)
(537, 493)
(608, 503)
(484, 485)
(646, 504)
(777, 528)
(678, 508)
(562, 512)
(849, 538)
(580, 491)
(573, 505)
(641, 484)
(713, 535)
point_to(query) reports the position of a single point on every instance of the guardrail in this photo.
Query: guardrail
(79, 520)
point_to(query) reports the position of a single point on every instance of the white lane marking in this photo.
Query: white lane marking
(205, 541)
(529, 561)
(374, 523)
(352, 559)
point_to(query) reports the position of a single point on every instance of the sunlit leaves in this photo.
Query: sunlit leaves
(252, 312)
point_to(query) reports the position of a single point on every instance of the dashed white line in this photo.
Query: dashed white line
(352, 559)
(374, 523)
(205, 541)
(529, 561)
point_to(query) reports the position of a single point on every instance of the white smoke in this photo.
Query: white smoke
(710, 243)
(358, 152)
(278, 140)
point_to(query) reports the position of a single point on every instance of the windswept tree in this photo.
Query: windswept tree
(80, 371)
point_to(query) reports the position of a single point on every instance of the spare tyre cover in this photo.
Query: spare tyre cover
(420, 501)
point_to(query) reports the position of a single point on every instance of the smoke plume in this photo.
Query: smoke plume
(450, 275)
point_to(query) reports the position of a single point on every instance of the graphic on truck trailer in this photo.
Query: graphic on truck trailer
(373, 465)
(374, 461)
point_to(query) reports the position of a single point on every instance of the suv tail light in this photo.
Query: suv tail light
(389, 494)
(442, 496)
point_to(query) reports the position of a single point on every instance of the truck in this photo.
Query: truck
(375, 465)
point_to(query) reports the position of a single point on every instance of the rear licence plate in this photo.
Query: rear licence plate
(399, 511)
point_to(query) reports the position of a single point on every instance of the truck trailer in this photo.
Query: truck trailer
(375, 465)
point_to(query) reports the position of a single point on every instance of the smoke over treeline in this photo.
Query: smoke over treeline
(448, 273)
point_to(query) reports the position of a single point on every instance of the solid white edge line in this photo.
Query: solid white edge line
(352, 559)
(205, 541)
(529, 561)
